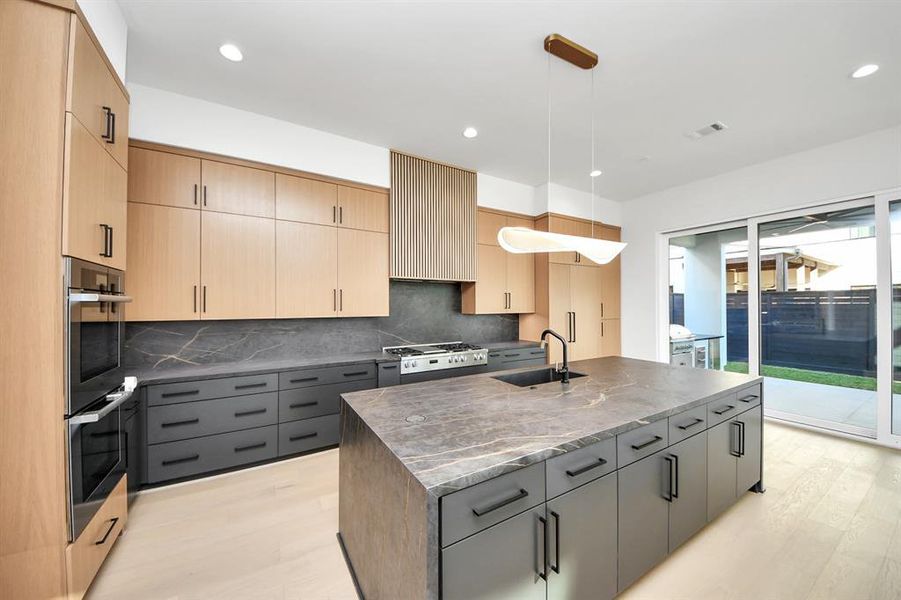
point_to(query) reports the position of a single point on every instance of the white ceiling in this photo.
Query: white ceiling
(411, 75)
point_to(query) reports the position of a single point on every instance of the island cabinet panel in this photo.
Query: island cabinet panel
(163, 263)
(750, 433)
(239, 190)
(721, 469)
(237, 266)
(578, 467)
(363, 264)
(165, 178)
(688, 488)
(306, 276)
(582, 536)
(643, 517)
(503, 561)
(305, 200)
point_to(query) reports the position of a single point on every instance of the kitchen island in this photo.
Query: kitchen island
(476, 487)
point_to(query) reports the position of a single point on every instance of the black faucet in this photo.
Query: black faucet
(564, 371)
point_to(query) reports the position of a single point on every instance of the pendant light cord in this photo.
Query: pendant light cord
(547, 185)
(593, 167)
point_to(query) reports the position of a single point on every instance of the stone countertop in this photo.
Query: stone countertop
(454, 433)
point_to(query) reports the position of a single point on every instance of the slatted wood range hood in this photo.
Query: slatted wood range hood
(433, 220)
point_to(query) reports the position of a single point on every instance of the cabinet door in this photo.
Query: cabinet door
(306, 272)
(499, 563)
(163, 178)
(362, 209)
(305, 200)
(688, 510)
(237, 266)
(749, 462)
(115, 212)
(610, 342)
(362, 273)
(237, 190)
(569, 227)
(610, 276)
(163, 263)
(586, 306)
(643, 517)
(520, 282)
(559, 308)
(583, 542)
(721, 469)
(487, 226)
(491, 280)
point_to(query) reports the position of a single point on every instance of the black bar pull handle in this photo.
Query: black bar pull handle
(340, 214)
(177, 394)
(650, 442)
(108, 134)
(724, 410)
(195, 298)
(303, 404)
(575, 327)
(555, 566)
(195, 194)
(204, 195)
(741, 438)
(511, 355)
(675, 476)
(355, 373)
(305, 436)
(542, 572)
(180, 423)
(748, 398)
(248, 386)
(600, 463)
(109, 233)
(112, 139)
(250, 447)
(247, 413)
(204, 296)
(694, 423)
(387, 367)
(112, 525)
(303, 380)
(481, 512)
(178, 461)
(668, 493)
(106, 249)
(736, 429)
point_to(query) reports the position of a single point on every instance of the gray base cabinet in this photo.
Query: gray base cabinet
(582, 531)
(643, 517)
(498, 563)
(688, 497)
(733, 459)
(749, 459)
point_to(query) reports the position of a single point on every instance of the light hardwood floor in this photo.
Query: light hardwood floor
(828, 527)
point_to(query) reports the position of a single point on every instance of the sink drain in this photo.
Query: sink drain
(415, 419)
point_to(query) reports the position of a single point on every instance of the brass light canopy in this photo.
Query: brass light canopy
(570, 51)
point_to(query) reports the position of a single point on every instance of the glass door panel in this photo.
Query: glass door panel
(818, 318)
(895, 216)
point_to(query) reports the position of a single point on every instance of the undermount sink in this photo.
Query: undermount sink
(536, 377)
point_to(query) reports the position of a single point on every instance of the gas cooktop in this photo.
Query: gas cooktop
(418, 358)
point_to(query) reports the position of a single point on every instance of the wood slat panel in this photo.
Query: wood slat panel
(433, 220)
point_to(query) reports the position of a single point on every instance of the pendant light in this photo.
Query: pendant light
(522, 240)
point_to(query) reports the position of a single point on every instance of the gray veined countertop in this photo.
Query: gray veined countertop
(453, 433)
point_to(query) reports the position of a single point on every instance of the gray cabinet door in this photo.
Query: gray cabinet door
(721, 469)
(749, 447)
(499, 563)
(582, 530)
(643, 517)
(688, 510)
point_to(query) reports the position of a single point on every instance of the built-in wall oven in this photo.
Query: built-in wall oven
(95, 389)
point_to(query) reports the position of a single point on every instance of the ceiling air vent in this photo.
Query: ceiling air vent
(714, 127)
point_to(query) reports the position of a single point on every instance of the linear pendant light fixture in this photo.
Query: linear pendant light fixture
(522, 240)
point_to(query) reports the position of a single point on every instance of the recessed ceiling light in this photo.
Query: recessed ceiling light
(864, 71)
(596, 173)
(470, 132)
(231, 52)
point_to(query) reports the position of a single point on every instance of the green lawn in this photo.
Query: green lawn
(839, 379)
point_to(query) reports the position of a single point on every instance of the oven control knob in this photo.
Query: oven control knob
(414, 363)
(406, 364)
(463, 358)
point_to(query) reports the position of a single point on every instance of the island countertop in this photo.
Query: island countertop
(453, 433)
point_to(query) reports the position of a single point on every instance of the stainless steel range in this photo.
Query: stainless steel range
(423, 358)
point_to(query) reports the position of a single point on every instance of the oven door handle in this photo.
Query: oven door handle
(115, 298)
(116, 399)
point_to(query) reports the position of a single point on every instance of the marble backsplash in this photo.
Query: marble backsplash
(420, 312)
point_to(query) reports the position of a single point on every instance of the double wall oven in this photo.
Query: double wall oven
(95, 390)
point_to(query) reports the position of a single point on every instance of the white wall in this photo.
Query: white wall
(568, 201)
(857, 166)
(108, 23)
(503, 194)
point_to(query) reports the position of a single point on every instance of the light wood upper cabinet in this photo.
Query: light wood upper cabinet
(306, 272)
(237, 256)
(238, 190)
(305, 200)
(520, 282)
(164, 263)
(163, 178)
(363, 273)
(94, 95)
(487, 226)
(488, 295)
(94, 200)
(567, 226)
(610, 277)
(362, 209)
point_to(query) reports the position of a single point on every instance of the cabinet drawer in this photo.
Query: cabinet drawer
(473, 509)
(722, 409)
(194, 419)
(749, 397)
(86, 554)
(641, 442)
(687, 423)
(389, 374)
(190, 391)
(211, 453)
(325, 375)
(315, 401)
(515, 354)
(308, 434)
(570, 470)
